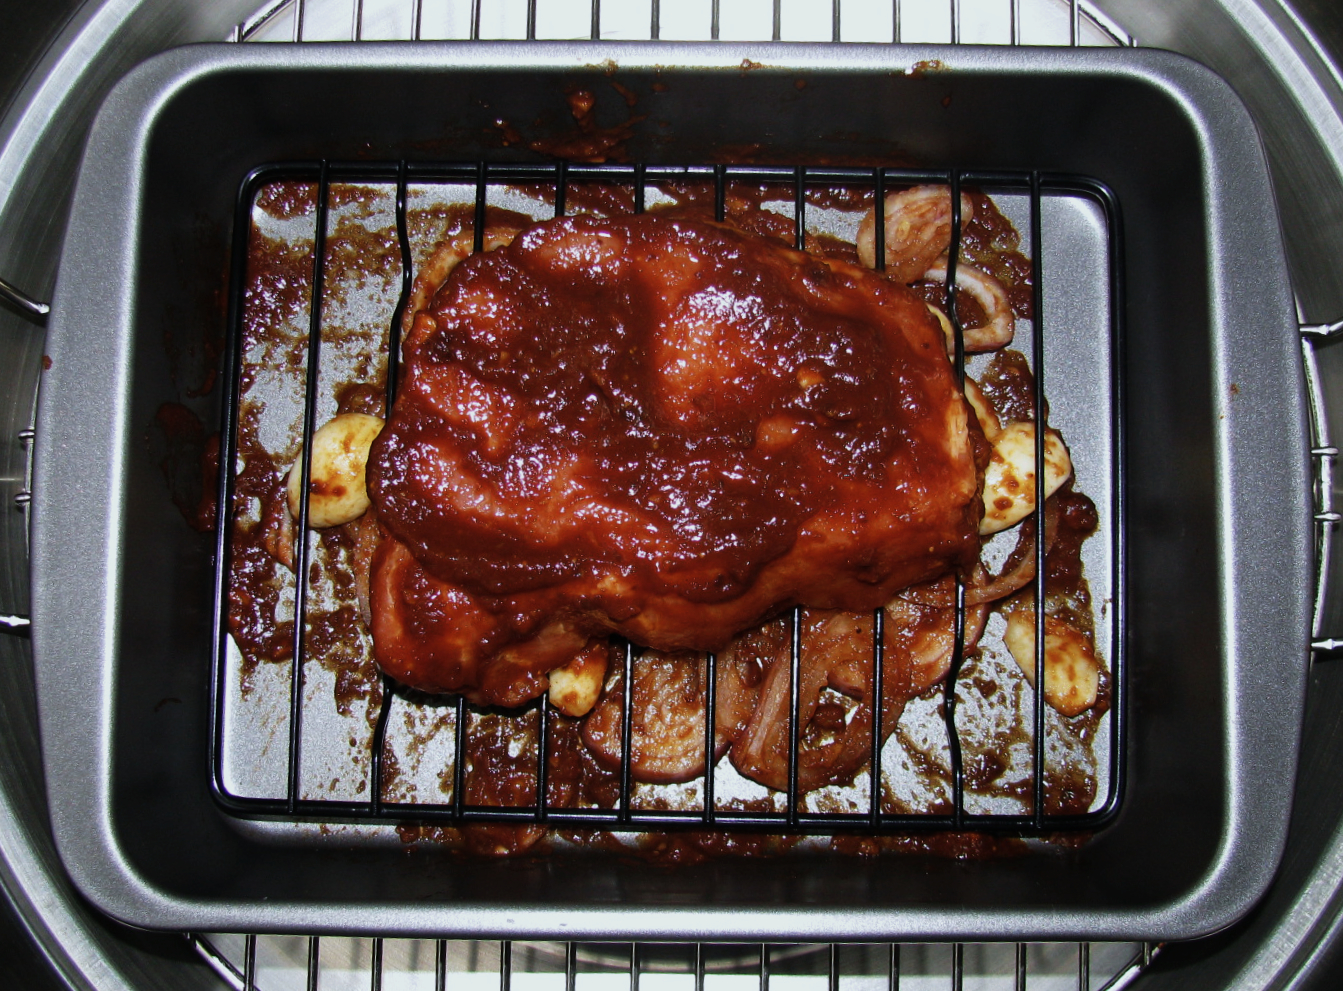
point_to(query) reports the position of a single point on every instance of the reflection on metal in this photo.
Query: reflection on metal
(29, 307)
(1322, 331)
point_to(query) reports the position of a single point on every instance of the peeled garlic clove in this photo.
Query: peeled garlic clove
(1009, 481)
(1072, 673)
(336, 490)
(574, 688)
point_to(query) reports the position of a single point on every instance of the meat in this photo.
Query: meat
(837, 655)
(667, 703)
(666, 429)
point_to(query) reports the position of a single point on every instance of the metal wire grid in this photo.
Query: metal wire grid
(253, 963)
(625, 816)
(293, 20)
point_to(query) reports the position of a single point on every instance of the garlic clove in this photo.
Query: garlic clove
(1009, 481)
(336, 490)
(1072, 673)
(574, 688)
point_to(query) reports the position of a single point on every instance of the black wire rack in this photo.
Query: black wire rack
(624, 815)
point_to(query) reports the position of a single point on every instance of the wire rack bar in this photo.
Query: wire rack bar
(29, 307)
(459, 762)
(301, 539)
(710, 732)
(958, 636)
(1038, 399)
(794, 716)
(626, 734)
(542, 762)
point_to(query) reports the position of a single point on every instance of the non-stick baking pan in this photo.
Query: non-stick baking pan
(1214, 562)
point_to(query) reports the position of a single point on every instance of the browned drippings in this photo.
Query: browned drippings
(257, 580)
(1010, 386)
(333, 639)
(587, 140)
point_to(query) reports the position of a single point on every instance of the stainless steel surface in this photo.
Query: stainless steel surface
(40, 138)
(1288, 75)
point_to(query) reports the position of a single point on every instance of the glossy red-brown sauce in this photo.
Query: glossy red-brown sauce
(584, 381)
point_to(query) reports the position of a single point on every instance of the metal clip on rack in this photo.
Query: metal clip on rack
(35, 312)
(1324, 455)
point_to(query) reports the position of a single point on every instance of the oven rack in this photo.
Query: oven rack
(836, 21)
(265, 962)
(624, 815)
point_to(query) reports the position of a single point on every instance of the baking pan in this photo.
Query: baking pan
(1216, 534)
